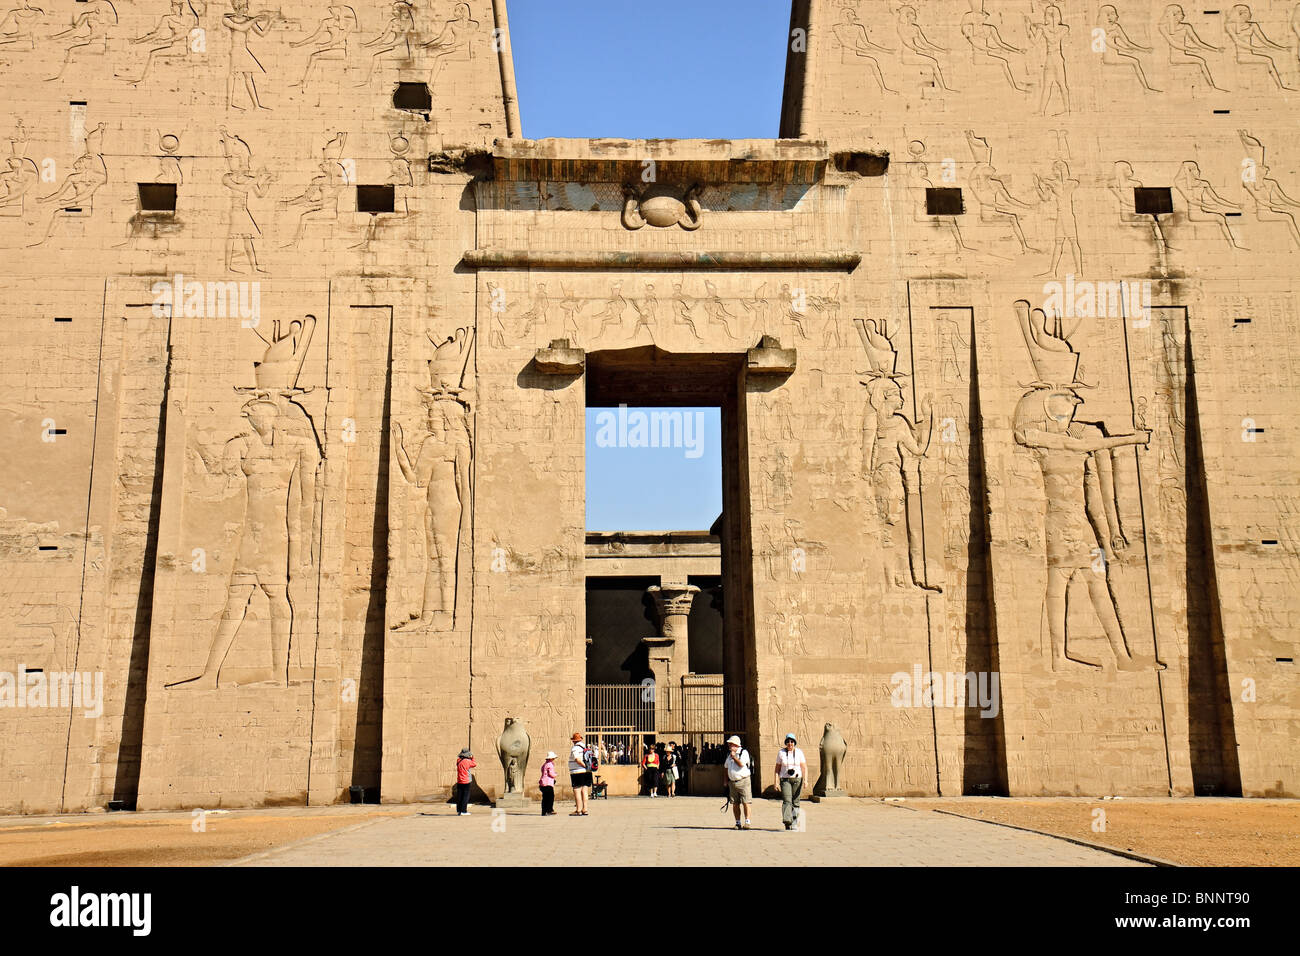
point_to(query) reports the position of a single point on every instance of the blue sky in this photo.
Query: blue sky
(650, 69)
(653, 489)
(708, 69)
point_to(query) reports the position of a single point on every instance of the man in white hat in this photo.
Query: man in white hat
(791, 770)
(739, 768)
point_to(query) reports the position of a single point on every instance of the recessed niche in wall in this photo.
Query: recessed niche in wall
(413, 96)
(1152, 200)
(944, 201)
(375, 199)
(157, 197)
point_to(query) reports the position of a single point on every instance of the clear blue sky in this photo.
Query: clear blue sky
(655, 69)
(650, 69)
(632, 488)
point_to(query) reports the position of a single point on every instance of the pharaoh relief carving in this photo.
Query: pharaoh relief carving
(996, 203)
(1185, 46)
(1052, 32)
(88, 34)
(241, 182)
(19, 178)
(661, 205)
(442, 469)
(986, 43)
(74, 199)
(1251, 45)
(171, 38)
(1203, 203)
(1059, 189)
(276, 463)
(320, 200)
(1272, 204)
(329, 42)
(1081, 522)
(1118, 49)
(892, 447)
(18, 27)
(855, 41)
(917, 50)
(245, 67)
(455, 41)
(395, 41)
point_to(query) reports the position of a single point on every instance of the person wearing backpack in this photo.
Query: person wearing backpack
(581, 761)
(464, 764)
(739, 768)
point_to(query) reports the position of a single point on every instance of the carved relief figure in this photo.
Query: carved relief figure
(996, 202)
(855, 40)
(18, 177)
(442, 468)
(400, 178)
(683, 309)
(1081, 535)
(1203, 203)
(244, 66)
(615, 306)
(1060, 189)
(320, 200)
(76, 195)
(1119, 50)
(917, 50)
(1122, 186)
(920, 182)
(538, 310)
(1272, 204)
(171, 36)
(659, 205)
(453, 41)
(277, 461)
(647, 312)
(1183, 43)
(395, 40)
(1052, 32)
(1248, 40)
(19, 25)
(716, 309)
(330, 39)
(986, 42)
(239, 182)
(88, 32)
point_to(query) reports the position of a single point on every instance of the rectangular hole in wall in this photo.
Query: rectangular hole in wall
(1152, 200)
(1241, 321)
(61, 319)
(413, 96)
(47, 547)
(375, 199)
(157, 197)
(943, 201)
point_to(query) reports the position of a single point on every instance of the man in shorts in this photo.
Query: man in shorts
(579, 777)
(739, 768)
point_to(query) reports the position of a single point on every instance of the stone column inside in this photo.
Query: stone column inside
(670, 652)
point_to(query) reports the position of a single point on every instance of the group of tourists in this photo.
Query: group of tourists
(791, 769)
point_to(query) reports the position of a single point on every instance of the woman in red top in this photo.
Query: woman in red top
(464, 764)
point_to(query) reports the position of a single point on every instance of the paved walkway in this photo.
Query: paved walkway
(685, 831)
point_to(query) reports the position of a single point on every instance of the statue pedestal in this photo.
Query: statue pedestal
(828, 795)
(512, 800)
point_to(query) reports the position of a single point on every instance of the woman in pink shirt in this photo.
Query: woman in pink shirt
(547, 784)
(464, 764)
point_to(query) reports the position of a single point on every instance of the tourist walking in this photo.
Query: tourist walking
(650, 765)
(739, 768)
(579, 776)
(670, 768)
(464, 764)
(791, 769)
(547, 784)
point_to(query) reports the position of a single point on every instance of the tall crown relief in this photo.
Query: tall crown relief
(1056, 363)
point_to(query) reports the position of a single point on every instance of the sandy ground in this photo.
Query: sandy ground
(1201, 832)
(168, 839)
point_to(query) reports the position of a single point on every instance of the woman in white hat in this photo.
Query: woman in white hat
(791, 769)
(547, 784)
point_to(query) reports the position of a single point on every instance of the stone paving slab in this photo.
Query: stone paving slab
(682, 832)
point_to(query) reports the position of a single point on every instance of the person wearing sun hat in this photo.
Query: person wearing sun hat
(579, 776)
(791, 770)
(739, 768)
(547, 784)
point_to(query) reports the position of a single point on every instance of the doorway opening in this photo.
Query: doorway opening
(668, 584)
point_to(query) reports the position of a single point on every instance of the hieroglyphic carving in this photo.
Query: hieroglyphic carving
(1059, 189)
(240, 180)
(454, 41)
(1118, 49)
(330, 40)
(995, 200)
(1122, 186)
(278, 459)
(856, 41)
(1183, 43)
(320, 200)
(920, 183)
(19, 25)
(442, 468)
(917, 49)
(892, 448)
(647, 312)
(395, 41)
(1203, 203)
(1272, 204)
(76, 195)
(19, 177)
(402, 181)
(1081, 521)
(986, 42)
(1249, 42)
(88, 32)
(170, 37)
(1052, 31)
(244, 65)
